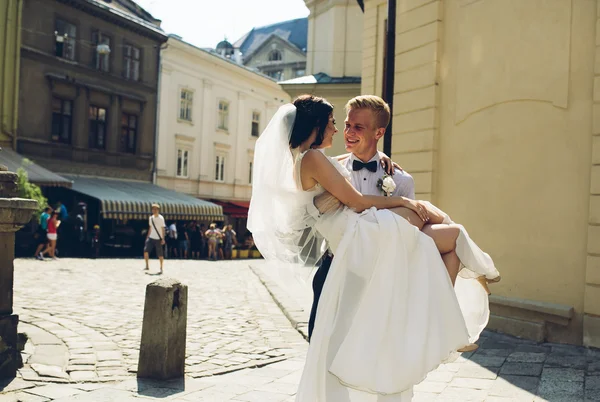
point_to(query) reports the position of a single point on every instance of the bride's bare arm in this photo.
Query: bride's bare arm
(316, 167)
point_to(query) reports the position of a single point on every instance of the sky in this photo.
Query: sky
(204, 23)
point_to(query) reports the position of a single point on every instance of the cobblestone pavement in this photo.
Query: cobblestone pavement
(84, 317)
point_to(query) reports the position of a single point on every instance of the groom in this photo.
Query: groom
(366, 120)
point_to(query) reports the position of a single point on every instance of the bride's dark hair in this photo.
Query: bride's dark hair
(311, 112)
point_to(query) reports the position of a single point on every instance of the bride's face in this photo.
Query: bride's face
(330, 131)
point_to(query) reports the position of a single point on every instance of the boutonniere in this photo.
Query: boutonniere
(386, 184)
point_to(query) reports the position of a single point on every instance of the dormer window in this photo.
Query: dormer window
(275, 55)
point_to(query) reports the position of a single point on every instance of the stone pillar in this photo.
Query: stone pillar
(14, 213)
(162, 350)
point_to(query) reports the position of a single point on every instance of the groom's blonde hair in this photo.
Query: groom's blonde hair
(378, 106)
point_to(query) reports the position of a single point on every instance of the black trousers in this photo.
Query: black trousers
(317, 285)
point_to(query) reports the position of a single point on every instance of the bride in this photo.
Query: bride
(388, 313)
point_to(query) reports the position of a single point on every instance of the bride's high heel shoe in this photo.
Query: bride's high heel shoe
(485, 281)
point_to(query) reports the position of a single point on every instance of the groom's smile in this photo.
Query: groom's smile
(360, 134)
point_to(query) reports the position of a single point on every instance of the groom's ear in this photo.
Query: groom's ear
(380, 133)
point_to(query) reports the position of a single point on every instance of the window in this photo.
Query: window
(223, 115)
(101, 51)
(129, 125)
(255, 124)
(97, 127)
(278, 74)
(275, 55)
(250, 173)
(300, 72)
(220, 168)
(131, 62)
(185, 104)
(182, 163)
(62, 116)
(65, 36)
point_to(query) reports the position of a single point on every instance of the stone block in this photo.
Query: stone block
(412, 142)
(561, 390)
(592, 300)
(405, 6)
(597, 58)
(594, 210)
(596, 118)
(555, 374)
(415, 121)
(423, 182)
(10, 357)
(596, 148)
(527, 369)
(162, 348)
(595, 180)
(418, 17)
(417, 37)
(591, 331)
(419, 77)
(525, 329)
(418, 99)
(415, 162)
(417, 57)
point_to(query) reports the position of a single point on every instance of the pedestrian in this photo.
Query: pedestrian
(182, 238)
(229, 240)
(42, 233)
(220, 243)
(52, 235)
(203, 245)
(155, 238)
(196, 241)
(172, 241)
(212, 236)
(96, 242)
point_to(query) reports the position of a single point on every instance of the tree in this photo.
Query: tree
(30, 190)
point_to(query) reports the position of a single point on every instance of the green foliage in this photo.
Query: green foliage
(30, 190)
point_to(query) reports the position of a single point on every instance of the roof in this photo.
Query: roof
(213, 53)
(133, 200)
(293, 31)
(36, 174)
(140, 16)
(361, 3)
(322, 78)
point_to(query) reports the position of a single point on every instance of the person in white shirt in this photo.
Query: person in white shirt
(155, 239)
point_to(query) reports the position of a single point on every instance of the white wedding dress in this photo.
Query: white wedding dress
(388, 313)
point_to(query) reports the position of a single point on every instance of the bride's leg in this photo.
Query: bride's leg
(452, 264)
(410, 215)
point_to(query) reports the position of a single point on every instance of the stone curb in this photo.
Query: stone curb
(288, 306)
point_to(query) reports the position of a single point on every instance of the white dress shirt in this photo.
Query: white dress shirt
(365, 181)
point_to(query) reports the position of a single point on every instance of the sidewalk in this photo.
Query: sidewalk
(503, 369)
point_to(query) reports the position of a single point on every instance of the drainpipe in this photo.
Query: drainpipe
(390, 67)
(17, 73)
(157, 118)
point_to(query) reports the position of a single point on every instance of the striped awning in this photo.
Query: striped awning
(133, 200)
(36, 174)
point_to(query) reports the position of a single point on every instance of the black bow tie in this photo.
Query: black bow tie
(370, 166)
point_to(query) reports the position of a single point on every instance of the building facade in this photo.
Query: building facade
(88, 91)
(277, 50)
(497, 117)
(333, 66)
(211, 112)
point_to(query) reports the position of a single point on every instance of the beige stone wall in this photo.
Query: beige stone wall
(494, 105)
(334, 38)
(591, 323)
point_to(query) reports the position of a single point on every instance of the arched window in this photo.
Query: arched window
(275, 55)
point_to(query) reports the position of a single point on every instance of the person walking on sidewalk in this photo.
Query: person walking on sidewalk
(155, 239)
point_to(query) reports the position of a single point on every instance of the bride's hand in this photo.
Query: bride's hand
(388, 165)
(419, 208)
